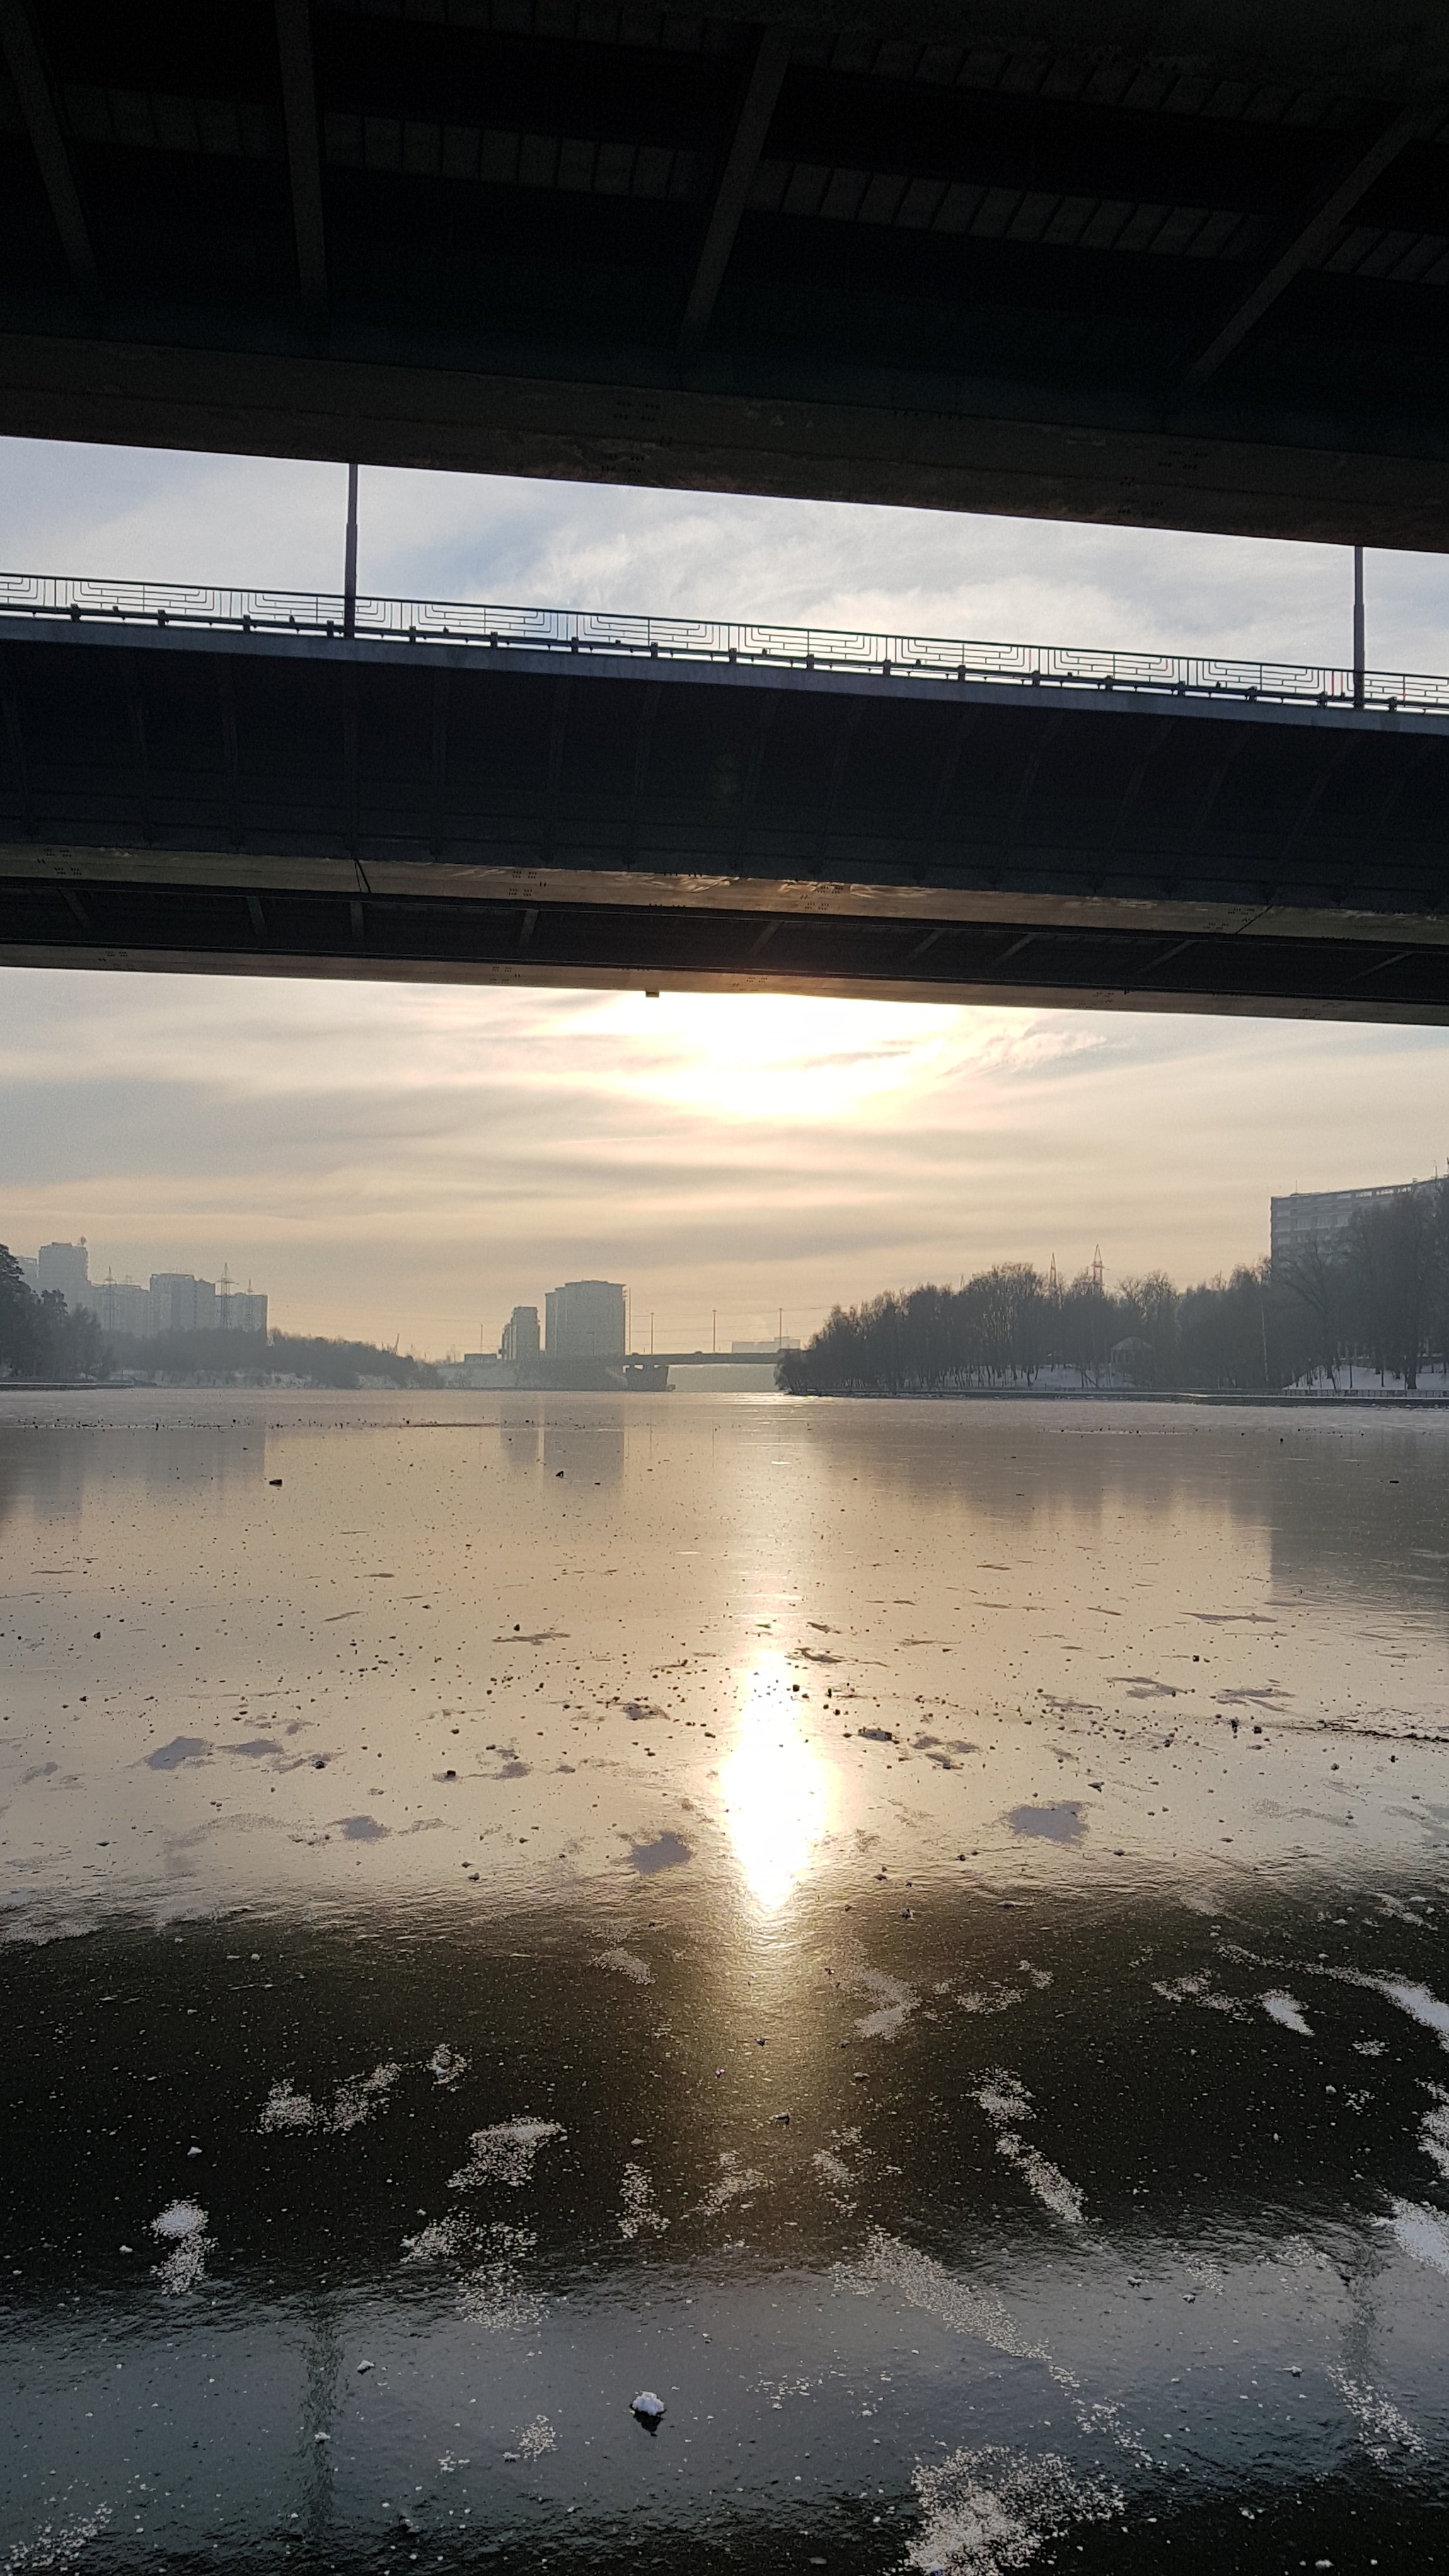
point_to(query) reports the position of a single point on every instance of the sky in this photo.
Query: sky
(397, 1162)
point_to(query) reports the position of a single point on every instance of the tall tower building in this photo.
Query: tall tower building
(584, 1320)
(66, 1266)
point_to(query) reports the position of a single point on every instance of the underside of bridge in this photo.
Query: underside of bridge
(233, 801)
(1152, 261)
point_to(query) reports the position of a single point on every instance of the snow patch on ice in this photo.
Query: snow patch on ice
(353, 2103)
(638, 2215)
(441, 2238)
(889, 2264)
(626, 1963)
(991, 2511)
(1043, 2178)
(1386, 2432)
(1197, 1989)
(896, 2001)
(734, 2181)
(836, 2171)
(990, 1999)
(1002, 2097)
(1282, 2009)
(182, 2226)
(447, 2066)
(504, 2153)
(1422, 2006)
(57, 2545)
(1421, 2232)
(494, 2293)
(1005, 2100)
(1434, 2130)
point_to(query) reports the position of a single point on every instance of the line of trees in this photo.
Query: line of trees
(1374, 1298)
(312, 1358)
(40, 1336)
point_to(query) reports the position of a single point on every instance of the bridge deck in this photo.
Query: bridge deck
(467, 793)
(1148, 261)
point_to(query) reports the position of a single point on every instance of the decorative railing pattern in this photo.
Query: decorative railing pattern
(706, 639)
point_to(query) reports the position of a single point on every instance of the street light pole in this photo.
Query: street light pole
(1358, 652)
(349, 572)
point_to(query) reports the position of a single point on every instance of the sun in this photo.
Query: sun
(778, 1056)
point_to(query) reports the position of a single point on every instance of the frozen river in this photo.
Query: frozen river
(915, 1932)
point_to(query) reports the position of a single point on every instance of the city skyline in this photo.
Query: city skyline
(167, 1301)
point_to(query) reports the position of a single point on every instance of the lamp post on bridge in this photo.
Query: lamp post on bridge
(349, 566)
(1358, 651)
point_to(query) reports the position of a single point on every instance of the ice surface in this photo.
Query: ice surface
(182, 1748)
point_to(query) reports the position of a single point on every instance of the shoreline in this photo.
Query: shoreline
(1377, 1398)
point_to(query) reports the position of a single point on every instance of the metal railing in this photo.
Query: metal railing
(713, 640)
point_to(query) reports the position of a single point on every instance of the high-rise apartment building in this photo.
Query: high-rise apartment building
(584, 1320)
(239, 1310)
(65, 1266)
(183, 1304)
(1308, 1222)
(519, 1345)
(119, 1306)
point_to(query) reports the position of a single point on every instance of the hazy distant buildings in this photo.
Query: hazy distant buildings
(1310, 1222)
(174, 1302)
(519, 1345)
(784, 1342)
(584, 1320)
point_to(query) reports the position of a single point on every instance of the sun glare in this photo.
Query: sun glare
(772, 1055)
(777, 1789)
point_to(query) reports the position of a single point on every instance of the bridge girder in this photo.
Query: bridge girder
(285, 804)
(1153, 263)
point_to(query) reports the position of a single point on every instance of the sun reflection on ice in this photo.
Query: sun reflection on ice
(777, 1789)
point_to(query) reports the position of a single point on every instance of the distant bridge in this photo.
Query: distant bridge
(706, 1359)
(228, 782)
